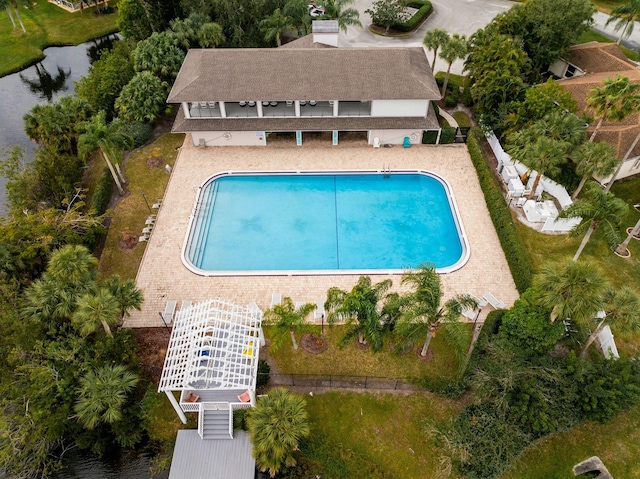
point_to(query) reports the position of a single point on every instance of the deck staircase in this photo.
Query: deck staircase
(215, 424)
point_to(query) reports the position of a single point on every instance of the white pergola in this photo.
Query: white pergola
(214, 346)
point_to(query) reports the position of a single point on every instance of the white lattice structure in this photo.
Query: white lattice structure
(212, 356)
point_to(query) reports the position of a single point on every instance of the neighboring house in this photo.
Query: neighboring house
(241, 96)
(586, 67)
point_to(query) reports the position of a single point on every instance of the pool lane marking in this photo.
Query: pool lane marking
(335, 203)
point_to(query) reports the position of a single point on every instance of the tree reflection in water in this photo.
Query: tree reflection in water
(46, 85)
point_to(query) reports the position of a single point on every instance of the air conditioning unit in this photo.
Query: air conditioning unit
(202, 143)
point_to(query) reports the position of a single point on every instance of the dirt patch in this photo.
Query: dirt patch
(313, 344)
(426, 358)
(128, 241)
(155, 162)
(362, 346)
(152, 349)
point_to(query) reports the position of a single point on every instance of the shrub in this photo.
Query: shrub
(140, 132)
(445, 387)
(429, 137)
(239, 419)
(424, 10)
(448, 135)
(450, 100)
(264, 371)
(102, 194)
(514, 249)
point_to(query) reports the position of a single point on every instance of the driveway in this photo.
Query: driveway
(454, 16)
(632, 42)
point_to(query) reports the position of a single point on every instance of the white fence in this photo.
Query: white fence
(554, 189)
(607, 344)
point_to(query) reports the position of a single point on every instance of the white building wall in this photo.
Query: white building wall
(396, 137)
(412, 108)
(229, 138)
(629, 168)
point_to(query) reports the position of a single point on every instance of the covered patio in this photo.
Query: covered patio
(212, 362)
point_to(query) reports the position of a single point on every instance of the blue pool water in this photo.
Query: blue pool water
(306, 222)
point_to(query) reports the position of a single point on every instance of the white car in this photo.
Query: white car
(314, 10)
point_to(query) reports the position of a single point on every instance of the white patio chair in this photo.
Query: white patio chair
(376, 142)
(276, 298)
(169, 311)
(493, 301)
(318, 313)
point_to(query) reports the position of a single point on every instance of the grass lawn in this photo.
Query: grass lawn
(351, 361)
(607, 5)
(617, 443)
(130, 213)
(47, 25)
(375, 435)
(462, 118)
(593, 36)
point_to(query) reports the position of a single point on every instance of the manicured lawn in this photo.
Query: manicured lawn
(47, 25)
(375, 435)
(130, 213)
(617, 443)
(352, 361)
(462, 118)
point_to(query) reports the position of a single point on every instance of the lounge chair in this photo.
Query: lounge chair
(143, 238)
(147, 230)
(185, 305)
(169, 311)
(493, 301)
(276, 298)
(376, 142)
(245, 397)
(157, 205)
(318, 313)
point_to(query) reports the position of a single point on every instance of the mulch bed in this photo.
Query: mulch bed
(362, 346)
(128, 241)
(155, 162)
(313, 344)
(428, 357)
(152, 349)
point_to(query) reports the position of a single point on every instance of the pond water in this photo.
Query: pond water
(79, 465)
(42, 83)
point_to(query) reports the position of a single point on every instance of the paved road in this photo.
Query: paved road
(455, 16)
(633, 42)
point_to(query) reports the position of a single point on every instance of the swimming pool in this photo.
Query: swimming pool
(362, 222)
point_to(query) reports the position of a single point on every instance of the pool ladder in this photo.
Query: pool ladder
(386, 171)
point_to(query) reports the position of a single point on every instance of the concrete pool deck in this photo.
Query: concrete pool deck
(163, 277)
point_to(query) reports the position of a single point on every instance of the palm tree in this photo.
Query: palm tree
(622, 248)
(72, 265)
(335, 10)
(126, 294)
(542, 154)
(621, 310)
(358, 308)
(593, 158)
(286, 318)
(615, 100)
(433, 40)
(569, 129)
(571, 289)
(95, 309)
(625, 16)
(455, 48)
(7, 4)
(97, 135)
(210, 35)
(598, 208)
(298, 11)
(626, 157)
(422, 311)
(275, 25)
(102, 393)
(276, 425)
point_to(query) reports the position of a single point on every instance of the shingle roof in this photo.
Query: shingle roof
(594, 57)
(241, 74)
(181, 125)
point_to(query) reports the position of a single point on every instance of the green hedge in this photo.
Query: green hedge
(448, 135)
(429, 137)
(102, 194)
(512, 245)
(424, 10)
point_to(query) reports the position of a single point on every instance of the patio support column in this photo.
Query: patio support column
(335, 107)
(259, 107)
(262, 341)
(223, 109)
(296, 106)
(176, 406)
(185, 109)
(438, 137)
(252, 395)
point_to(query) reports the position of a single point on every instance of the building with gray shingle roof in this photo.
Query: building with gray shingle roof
(240, 96)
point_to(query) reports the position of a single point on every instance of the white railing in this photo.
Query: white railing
(201, 423)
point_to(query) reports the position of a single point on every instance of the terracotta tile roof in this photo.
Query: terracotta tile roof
(242, 74)
(594, 57)
(182, 125)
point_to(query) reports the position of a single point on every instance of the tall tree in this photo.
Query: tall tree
(358, 308)
(571, 289)
(616, 99)
(298, 11)
(276, 25)
(454, 49)
(102, 395)
(337, 10)
(286, 319)
(597, 208)
(625, 17)
(277, 424)
(97, 135)
(591, 159)
(621, 311)
(386, 13)
(136, 20)
(126, 294)
(423, 312)
(159, 55)
(433, 40)
(93, 310)
(143, 99)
